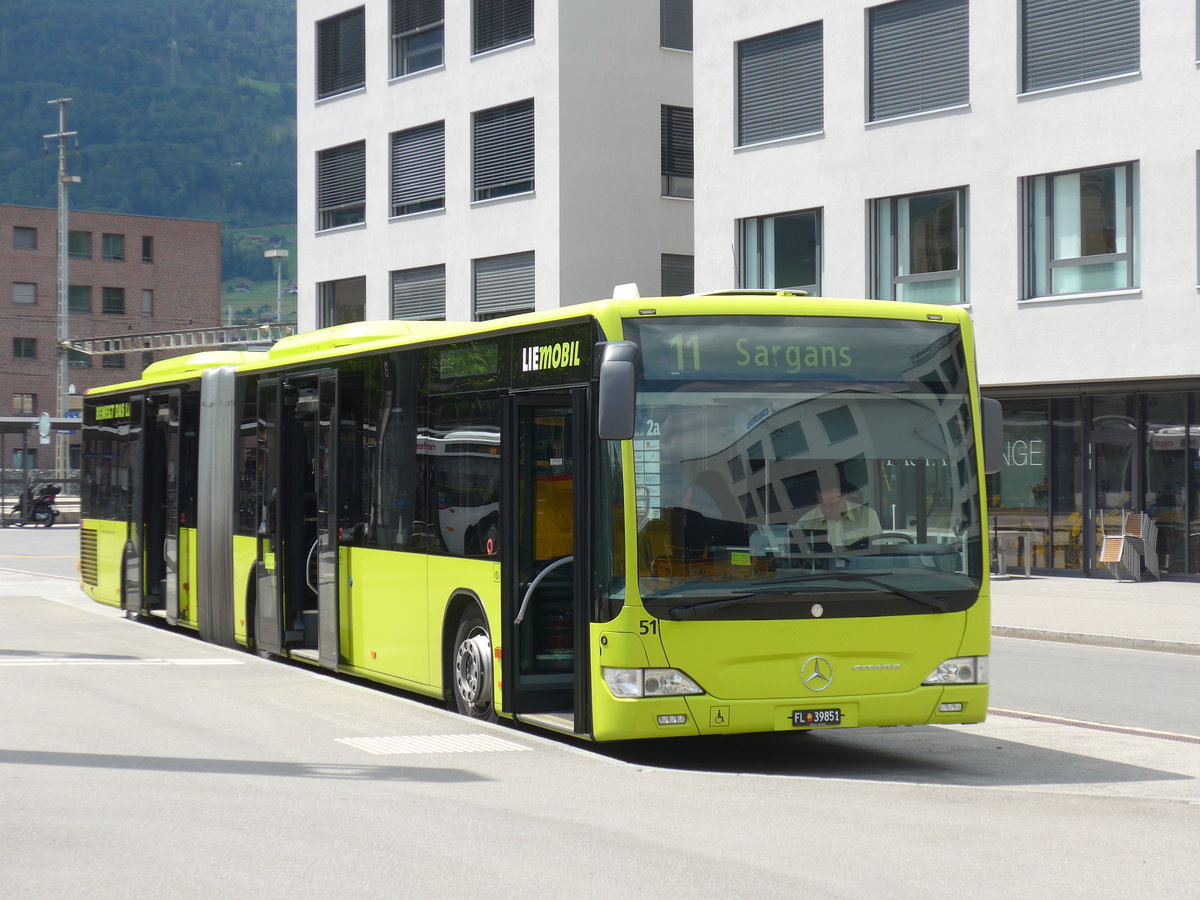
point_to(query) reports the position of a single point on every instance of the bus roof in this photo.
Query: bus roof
(361, 337)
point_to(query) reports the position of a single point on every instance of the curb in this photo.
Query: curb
(1096, 640)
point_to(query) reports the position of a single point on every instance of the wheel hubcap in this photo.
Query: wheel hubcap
(473, 671)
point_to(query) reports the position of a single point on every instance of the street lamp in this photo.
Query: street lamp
(278, 256)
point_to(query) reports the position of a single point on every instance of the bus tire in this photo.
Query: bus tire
(471, 667)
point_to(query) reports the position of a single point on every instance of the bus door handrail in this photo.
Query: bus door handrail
(536, 581)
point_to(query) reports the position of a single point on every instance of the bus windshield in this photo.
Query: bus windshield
(782, 461)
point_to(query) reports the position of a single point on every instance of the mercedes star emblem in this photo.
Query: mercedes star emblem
(816, 673)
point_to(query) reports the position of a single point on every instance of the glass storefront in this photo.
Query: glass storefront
(1076, 466)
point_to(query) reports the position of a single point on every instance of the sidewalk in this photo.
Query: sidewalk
(1145, 615)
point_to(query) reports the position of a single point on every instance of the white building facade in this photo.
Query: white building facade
(1033, 159)
(472, 159)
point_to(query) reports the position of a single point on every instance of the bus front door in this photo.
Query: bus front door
(298, 564)
(545, 666)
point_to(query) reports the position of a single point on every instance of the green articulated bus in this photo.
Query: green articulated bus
(746, 512)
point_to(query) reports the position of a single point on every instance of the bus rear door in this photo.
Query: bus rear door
(157, 507)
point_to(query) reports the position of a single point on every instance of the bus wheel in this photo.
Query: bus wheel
(472, 670)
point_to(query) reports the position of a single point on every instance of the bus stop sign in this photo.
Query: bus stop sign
(44, 428)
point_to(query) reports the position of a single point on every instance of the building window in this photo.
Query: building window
(24, 238)
(781, 84)
(79, 245)
(24, 458)
(77, 359)
(419, 169)
(419, 293)
(24, 293)
(112, 361)
(147, 248)
(24, 404)
(24, 348)
(342, 185)
(917, 53)
(500, 22)
(1073, 41)
(79, 298)
(342, 301)
(782, 252)
(675, 24)
(341, 53)
(112, 301)
(678, 274)
(677, 145)
(920, 247)
(502, 286)
(147, 303)
(1082, 231)
(502, 150)
(112, 247)
(417, 35)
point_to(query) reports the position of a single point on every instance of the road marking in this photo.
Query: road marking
(432, 743)
(101, 661)
(1096, 726)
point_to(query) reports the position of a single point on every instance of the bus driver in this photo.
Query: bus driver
(837, 522)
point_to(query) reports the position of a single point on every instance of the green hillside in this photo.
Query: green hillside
(183, 109)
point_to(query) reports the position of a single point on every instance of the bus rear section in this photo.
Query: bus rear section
(808, 539)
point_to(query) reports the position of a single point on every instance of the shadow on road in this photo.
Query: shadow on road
(916, 755)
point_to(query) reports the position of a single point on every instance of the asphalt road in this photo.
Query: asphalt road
(137, 761)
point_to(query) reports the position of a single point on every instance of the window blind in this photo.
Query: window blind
(503, 150)
(678, 274)
(503, 284)
(1069, 41)
(781, 84)
(341, 180)
(341, 53)
(500, 22)
(419, 169)
(411, 15)
(918, 57)
(419, 293)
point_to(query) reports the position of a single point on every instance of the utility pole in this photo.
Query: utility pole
(65, 180)
(278, 256)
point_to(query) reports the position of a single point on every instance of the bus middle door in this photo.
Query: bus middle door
(298, 596)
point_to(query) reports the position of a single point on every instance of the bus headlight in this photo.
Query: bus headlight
(960, 670)
(625, 683)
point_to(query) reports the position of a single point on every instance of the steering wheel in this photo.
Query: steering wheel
(893, 537)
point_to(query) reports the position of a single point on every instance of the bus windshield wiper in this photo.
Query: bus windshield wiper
(785, 586)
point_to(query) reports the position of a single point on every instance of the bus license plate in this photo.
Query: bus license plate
(808, 718)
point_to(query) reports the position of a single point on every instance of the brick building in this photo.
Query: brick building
(127, 275)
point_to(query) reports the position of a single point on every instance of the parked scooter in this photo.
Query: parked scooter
(36, 506)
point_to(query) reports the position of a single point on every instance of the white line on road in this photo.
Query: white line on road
(432, 743)
(1096, 726)
(100, 661)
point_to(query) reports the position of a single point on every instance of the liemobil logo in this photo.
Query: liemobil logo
(550, 356)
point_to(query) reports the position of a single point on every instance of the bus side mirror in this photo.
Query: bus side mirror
(617, 397)
(993, 435)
